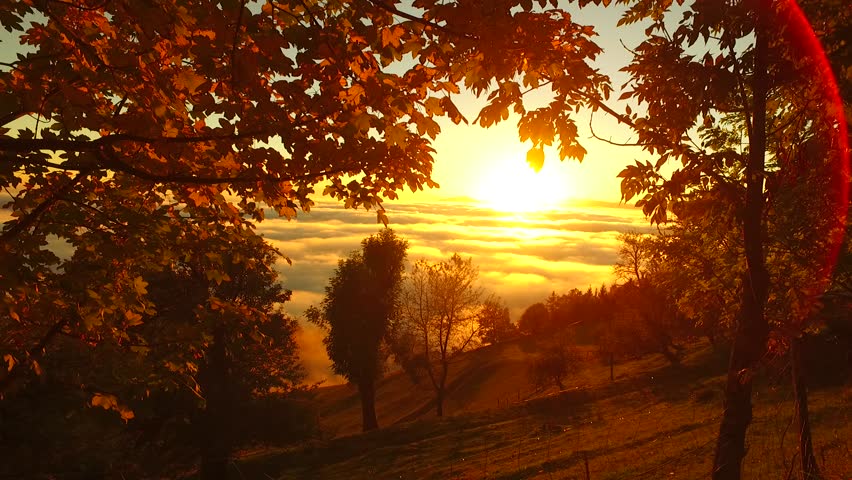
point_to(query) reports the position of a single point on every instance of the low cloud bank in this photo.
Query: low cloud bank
(521, 257)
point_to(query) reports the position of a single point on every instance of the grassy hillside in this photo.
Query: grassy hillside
(478, 379)
(654, 421)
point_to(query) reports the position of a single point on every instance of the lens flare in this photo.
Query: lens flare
(804, 42)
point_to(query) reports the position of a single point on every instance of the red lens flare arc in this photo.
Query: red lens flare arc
(804, 39)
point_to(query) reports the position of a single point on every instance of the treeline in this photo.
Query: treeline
(636, 315)
(680, 284)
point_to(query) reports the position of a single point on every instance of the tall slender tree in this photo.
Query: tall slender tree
(360, 308)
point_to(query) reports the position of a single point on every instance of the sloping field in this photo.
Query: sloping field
(477, 381)
(655, 421)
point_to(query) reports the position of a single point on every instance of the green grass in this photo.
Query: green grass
(655, 421)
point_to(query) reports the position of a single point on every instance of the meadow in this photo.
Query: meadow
(653, 421)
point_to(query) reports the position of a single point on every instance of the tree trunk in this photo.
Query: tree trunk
(611, 367)
(214, 461)
(214, 430)
(752, 328)
(810, 470)
(441, 386)
(367, 390)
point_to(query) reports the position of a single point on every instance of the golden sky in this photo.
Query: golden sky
(529, 233)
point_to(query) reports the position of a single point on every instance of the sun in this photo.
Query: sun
(510, 185)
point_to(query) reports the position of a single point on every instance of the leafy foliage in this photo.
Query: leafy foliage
(495, 324)
(535, 319)
(361, 305)
(124, 126)
(359, 311)
(210, 349)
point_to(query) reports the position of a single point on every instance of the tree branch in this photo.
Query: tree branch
(73, 5)
(236, 41)
(87, 50)
(9, 144)
(596, 137)
(33, 354)
(33, 216)
(110, 161)
(295, 17)
(383, 6)
(93, 209)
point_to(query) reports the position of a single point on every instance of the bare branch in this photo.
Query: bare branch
(596, 137)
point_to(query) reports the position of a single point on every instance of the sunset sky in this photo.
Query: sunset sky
(529, 233)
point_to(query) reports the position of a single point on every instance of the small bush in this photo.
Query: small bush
(552, 367)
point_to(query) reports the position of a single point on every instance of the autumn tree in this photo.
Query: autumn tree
(495, 324)
(703, 262)
(125, 125)
(217, 326)
(635, 257)
(360, 308)
(535, 319)
(715, 83)
(213, 344)
(441, 307)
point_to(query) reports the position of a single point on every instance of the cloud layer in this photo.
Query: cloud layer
(521, 257)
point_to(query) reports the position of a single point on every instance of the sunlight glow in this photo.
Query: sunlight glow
(510, 185)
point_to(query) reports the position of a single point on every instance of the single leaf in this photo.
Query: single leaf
(139, 284)
(133, 318)
(535, 158)
(10, 362)
(189, 80)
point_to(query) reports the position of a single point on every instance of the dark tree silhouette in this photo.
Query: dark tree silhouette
(552, 366)
(495, 324)
(535, 319)
(358, 311)
(225, 314)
